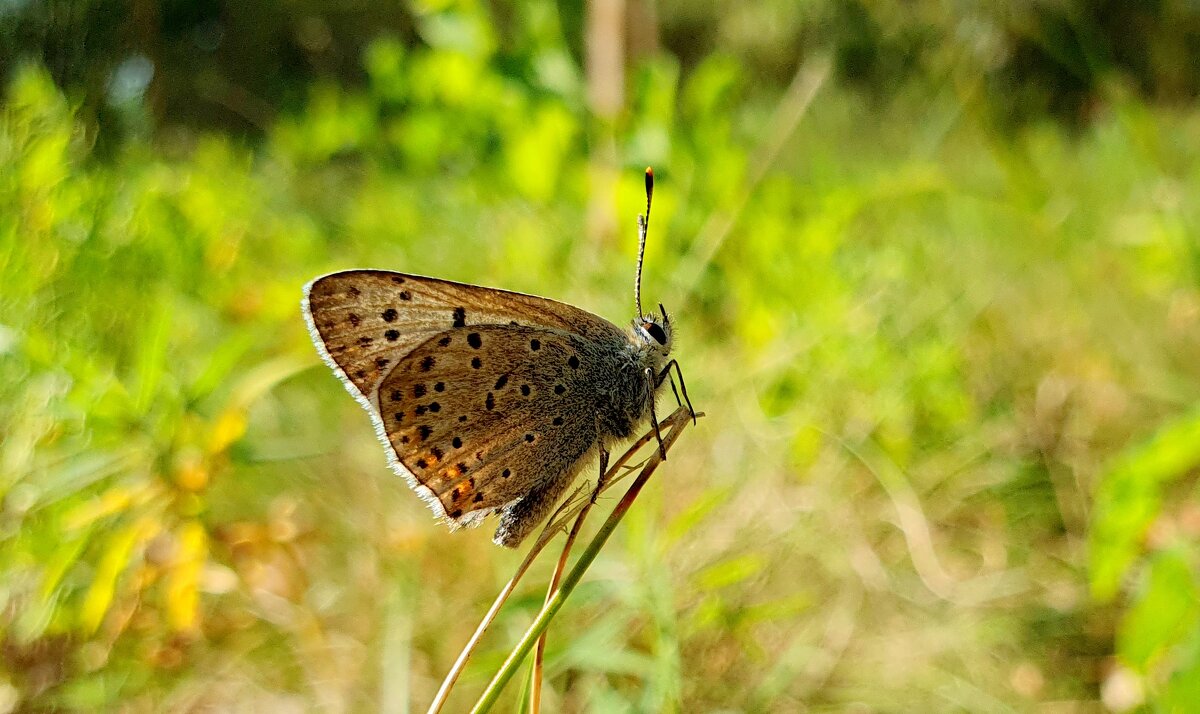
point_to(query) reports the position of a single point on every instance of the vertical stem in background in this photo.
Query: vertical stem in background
(395, 661)
(146, 19)
(604, 47)
(643, 29)
(605, 40)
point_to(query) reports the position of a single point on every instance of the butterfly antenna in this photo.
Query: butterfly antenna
(643, 226)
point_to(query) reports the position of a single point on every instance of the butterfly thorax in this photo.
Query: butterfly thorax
(631, 380)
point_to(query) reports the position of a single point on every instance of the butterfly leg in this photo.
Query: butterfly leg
(662, 450)
(600, 480)
(682, 385)
(666, 374)
(674, 391)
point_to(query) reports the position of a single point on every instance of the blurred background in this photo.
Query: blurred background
(936, 270)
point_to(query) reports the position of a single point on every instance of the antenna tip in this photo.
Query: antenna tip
(649, 179)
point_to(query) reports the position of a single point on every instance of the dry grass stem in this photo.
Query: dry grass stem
(574, 507)
(671, 427)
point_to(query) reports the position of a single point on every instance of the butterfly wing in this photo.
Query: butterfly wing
(484, 416)
(382, 333)
(361, 320)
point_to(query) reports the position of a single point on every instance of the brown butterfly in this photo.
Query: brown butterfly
(488, 401)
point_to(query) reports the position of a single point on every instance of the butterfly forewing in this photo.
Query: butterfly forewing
(365, 319)
(470, 387)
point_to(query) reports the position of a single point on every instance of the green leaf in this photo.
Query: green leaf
(1164, 615)
(1129, 499)
(1183, 689)
(731, 571)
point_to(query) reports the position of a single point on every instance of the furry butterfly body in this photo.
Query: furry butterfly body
(487, 401)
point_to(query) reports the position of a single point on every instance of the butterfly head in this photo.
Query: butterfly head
(653, 335)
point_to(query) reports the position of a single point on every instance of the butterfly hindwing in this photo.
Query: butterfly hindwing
(480, 415)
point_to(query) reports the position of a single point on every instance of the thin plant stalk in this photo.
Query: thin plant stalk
(608, 477)
(461, 662)
(675, 424)
(555, 525)
(535, 673)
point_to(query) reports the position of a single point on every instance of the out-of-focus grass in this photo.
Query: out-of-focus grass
(919, 347)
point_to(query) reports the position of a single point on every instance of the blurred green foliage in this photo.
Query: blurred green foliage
(237, 66)
(951, 369)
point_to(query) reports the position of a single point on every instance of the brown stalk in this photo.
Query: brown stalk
(672, 427)
(571, 508)
(460, 663)
(608, 477)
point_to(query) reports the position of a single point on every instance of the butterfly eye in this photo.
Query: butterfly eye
(656, 332)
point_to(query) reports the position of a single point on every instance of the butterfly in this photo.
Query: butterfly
(489, 401)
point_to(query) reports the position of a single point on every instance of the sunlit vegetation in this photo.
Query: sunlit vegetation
(949, 349)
